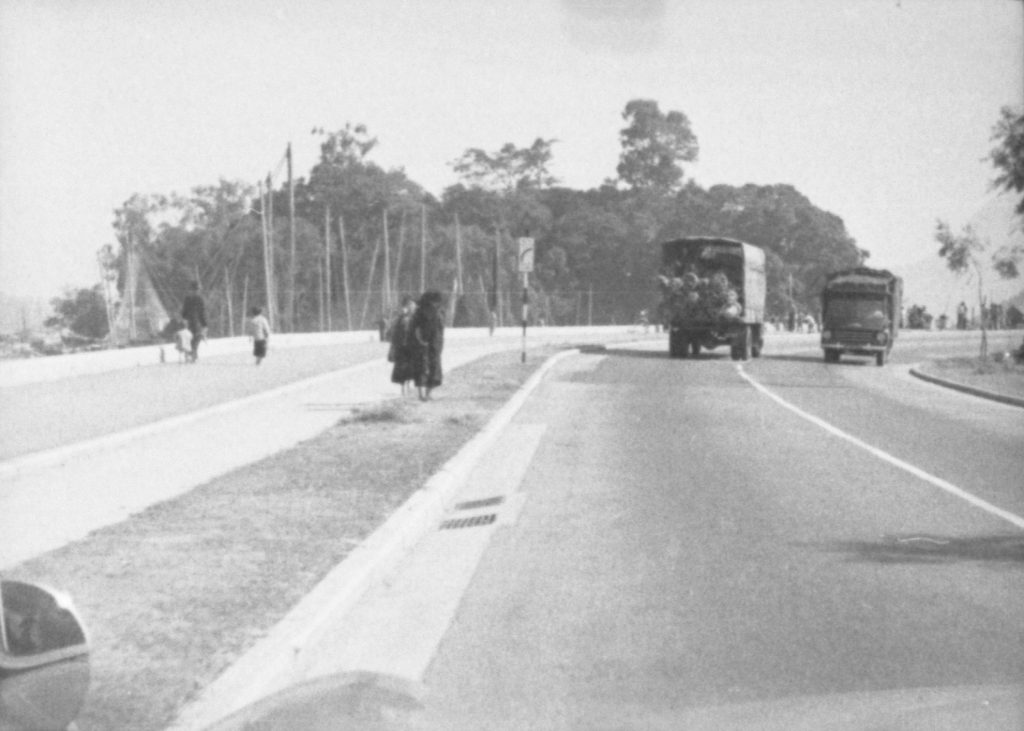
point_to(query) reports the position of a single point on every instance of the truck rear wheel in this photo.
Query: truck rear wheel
(694, 347)
(746, 343)
(678, 343)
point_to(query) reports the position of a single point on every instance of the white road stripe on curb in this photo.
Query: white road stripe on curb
(885, 456)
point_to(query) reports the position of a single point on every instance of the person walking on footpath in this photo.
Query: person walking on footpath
(402, 352)
(193, 312)
(259, 330)
(428, 341)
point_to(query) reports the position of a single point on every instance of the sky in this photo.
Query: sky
(880, 111)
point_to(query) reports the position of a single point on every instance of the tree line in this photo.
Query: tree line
(361, 235)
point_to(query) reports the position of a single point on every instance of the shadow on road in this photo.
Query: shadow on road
(649, 354)
(817, 359)
(932, 549)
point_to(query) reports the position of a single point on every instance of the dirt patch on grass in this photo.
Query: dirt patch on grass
(174, 595)
(1001, 376)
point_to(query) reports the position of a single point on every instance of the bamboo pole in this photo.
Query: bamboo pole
(423, 248)
(245, 303)
(290, 294)
(327, 263)
(397, 288)
(458, 252)
(230, 311)
(272, 304)
(344, 270)
(369, 284)
(385, 289)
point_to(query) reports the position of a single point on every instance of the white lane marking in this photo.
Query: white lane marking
(885, 456)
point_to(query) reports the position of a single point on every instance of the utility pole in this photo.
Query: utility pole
(290, 299)
(130, 285)
(269, 261)
(423, 248)
(385, 290)
(344, 270)
(327, 261)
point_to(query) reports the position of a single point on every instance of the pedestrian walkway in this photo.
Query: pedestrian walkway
(48, 499)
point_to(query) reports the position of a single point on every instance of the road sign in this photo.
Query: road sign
(525, 254)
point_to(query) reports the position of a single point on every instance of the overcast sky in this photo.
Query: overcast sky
(879, 111)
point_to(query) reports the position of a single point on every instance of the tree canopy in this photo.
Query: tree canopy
(1008, 155)
(364, 234)
(653, 145)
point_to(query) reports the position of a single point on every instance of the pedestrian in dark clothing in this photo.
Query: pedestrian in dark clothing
(402, 352)
(428, 341)
(193, 312)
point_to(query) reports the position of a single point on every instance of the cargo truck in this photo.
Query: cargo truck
(712, 294)
(860, 313)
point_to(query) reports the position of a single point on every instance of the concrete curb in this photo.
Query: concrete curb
(268, 666)
(1010, 400)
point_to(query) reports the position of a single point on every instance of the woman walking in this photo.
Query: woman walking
(428, 341)
(402, 351)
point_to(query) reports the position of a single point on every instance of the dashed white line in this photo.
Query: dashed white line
(885, 456)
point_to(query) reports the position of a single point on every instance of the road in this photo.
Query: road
(676, 543)
(704, 545)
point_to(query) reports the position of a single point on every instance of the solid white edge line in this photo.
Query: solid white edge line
(885, 456)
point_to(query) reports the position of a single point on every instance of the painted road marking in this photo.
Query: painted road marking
(885, 456)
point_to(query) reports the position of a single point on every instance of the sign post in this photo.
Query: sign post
(525, 266)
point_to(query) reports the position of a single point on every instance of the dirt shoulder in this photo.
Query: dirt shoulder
(1004, 377)
(177, 593)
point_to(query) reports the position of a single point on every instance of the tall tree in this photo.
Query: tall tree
(1008, 155)
(653, 145)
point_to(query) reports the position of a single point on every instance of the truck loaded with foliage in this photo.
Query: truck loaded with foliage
(712, 293)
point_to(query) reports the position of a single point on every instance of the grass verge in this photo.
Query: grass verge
(172, 596)
(998, 376)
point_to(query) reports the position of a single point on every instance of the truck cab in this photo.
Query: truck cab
(860, 312)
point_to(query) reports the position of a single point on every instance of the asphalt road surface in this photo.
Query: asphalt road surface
(837, 546)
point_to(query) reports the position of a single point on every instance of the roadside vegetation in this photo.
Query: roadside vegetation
(361, 234)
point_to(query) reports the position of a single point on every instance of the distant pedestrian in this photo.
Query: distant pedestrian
(193, 312)
(428, 341)
(402, 352)
(259, 331)
(961, 316)
(183, 341)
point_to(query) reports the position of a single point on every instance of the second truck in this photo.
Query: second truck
(860, 313)
(712, 294)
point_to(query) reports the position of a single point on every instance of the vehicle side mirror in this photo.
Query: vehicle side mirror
(44, 658)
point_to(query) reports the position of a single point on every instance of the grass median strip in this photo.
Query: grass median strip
(1003, 376)
(174, 595)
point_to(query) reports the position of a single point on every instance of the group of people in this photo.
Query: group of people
(417, 339)
(191, 328)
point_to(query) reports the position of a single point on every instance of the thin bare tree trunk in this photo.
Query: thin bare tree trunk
(344, 271)
(369, 284)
